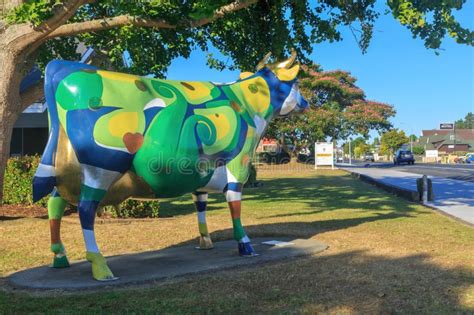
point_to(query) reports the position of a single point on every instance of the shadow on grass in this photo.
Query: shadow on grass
(350, 282)
(321, 193)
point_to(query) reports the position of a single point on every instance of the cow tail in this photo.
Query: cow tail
(44, 180)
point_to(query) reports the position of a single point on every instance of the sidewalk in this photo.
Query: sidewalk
(453, 197)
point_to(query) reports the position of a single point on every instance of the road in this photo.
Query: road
(464, 172)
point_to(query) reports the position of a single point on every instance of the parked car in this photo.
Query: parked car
(369, 157)
(469, 158)
(403, 156)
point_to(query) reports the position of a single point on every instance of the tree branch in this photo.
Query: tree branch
(31, 95)
(27, 37)
(122, 20)
(62, 14)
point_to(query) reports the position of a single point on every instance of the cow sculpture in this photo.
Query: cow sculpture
(115, 136)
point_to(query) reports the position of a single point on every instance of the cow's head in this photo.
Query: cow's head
(282, 81)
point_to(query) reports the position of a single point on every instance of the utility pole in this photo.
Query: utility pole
(350, 152)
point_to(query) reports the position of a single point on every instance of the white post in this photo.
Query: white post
(315, 156)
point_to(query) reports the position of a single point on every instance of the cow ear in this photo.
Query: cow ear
(287, 74)
(245, 75)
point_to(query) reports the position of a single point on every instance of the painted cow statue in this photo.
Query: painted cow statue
(115, 136)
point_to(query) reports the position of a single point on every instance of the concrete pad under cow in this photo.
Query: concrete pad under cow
(162, 264)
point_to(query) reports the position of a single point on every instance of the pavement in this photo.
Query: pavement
(453, 197)
(162, 264)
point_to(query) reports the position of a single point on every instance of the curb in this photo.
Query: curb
(408, 194)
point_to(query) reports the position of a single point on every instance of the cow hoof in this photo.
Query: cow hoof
(60, 261)
(246, 250)
(100, 270)
(205, 242)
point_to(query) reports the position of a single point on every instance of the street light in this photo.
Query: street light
(350, 152)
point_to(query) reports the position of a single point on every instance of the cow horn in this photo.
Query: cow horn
(289, 62)
(263, 62)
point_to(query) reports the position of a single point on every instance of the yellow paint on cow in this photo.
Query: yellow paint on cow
(256, 94)
(222, 124)
(118, 76)
(121, 123)
(196, 92)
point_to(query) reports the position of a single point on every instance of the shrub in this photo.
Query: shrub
(273, 157)
(18, 188)
(135, 209)
(418, 150)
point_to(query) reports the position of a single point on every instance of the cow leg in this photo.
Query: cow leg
(88, 203)
(233, 195)
(56, 206)
(200, 202)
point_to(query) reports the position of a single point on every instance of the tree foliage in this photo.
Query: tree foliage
(466, 123)
(392, 140)
(243, 36)
(338, 108)
(418, 150)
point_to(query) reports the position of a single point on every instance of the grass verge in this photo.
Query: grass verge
(386, 254)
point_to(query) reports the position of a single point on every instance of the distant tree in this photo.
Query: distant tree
(418, 150)
(361, 149)
(466, 123)
(357, 142)
(392, 140)
(338, 108)
(413, 137)
(376, 141)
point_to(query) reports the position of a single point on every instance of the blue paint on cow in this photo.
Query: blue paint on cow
(87, 150)
(150, 114)
(55, 71)
(279, 90)
(246, 249)
(42, 186)
(200, 205)
(234, 187)
(87, 210)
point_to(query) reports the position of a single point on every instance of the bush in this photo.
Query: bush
(18, 190)
(418, 150)
(17, 185)
(273, 157)
(135, 209)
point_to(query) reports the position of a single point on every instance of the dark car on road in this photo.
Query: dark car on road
(403, 156)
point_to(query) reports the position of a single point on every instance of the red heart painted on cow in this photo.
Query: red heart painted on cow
(133, 141)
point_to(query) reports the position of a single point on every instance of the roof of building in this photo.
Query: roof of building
(467, 134)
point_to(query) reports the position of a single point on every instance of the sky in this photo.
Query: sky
(425, 89)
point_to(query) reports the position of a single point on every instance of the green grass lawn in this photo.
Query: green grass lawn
(386, 255)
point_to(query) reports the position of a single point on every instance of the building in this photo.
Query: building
(447, 141)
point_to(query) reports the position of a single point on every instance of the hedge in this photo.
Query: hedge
(17, 185)
(18, 190)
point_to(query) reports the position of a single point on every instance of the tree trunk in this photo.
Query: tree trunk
(7, 119)
(10, 104)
